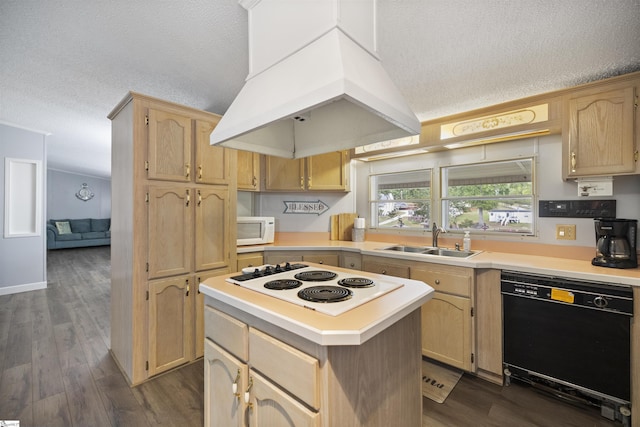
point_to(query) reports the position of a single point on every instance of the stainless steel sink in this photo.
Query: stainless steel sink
(412, 249)
(428, 250)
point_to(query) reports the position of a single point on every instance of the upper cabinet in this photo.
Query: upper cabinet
(599, 135)
(169, 146)
(323, 172)
(248, 171)
(213, 164)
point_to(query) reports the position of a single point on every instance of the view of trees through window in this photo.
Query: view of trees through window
(494, 196)
(401, 200)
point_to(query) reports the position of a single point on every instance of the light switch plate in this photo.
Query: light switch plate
(565, 232)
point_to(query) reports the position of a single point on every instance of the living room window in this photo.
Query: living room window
(489, 197)
(401, 199)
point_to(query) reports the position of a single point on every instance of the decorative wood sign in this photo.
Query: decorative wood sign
(318, 207)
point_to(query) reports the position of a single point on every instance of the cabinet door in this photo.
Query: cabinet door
(198, 310)
(284, 174)
(446, 330)
(170, 323)
(270, 406)
(212, 228)
(169, 146)
(328, 171)
(213, 164)
(248, 170)
(170, 221)
(254, 259)
(601, 134)
(223, 402)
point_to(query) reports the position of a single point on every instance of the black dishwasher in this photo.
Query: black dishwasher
(571, 337)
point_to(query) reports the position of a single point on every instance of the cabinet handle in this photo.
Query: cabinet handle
(573, 161)
(199, 171)
(187, 168)
(234, 386)
(187, 281)
(384, 271)
(247, 396)
(199, 198)
(352, 265)
(321, 262)
(301, 182)
(437, 282)
(188, 200)
(254, 182)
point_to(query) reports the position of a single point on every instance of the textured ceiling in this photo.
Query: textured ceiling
(64, 64)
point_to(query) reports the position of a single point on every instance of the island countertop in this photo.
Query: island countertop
(353, 327)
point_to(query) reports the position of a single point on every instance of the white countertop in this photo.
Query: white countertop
(354, 327)
(552, 266)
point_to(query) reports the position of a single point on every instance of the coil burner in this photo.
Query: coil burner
(316, 276)
(325, 294)
(282, 284)
(356, 282)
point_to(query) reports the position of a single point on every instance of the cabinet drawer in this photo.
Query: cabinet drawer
(456, 281)
(352, 261)
(327, 259)
(388, 269)
(251, 259)
(228, 332)
(291, 369)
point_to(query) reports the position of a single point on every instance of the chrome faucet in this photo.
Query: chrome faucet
(435, 231)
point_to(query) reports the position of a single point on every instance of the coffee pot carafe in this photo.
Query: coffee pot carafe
(615, 243)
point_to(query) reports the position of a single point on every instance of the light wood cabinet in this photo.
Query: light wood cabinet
(599, 135)
(323, 172)
(318, 257)
(447, 322)
(351, 260)
(251, 259)
(249, 168)
(294, 382)
(381, 265)
(173, 221)
(170, 323)
(488, 315)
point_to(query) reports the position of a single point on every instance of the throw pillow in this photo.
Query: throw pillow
(63, 227)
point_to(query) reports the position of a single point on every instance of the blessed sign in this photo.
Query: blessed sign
(313, 207)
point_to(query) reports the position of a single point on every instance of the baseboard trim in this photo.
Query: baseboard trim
(16, 289)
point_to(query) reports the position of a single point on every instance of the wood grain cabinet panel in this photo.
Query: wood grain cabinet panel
(170, 323)
(169, 146)
(252, 259)
(600, 136)
(173, 216)
(323, 172)
(249, 168)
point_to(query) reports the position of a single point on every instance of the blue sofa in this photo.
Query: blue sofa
(77, 233)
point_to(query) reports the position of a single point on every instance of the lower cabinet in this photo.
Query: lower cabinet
(318, 257)
(390, 267)
(250, 259)
(225, 383)
(447, 321)
(176, 321)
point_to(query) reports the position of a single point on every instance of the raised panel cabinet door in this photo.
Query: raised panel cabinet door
(223, 402)
(213, 163)
(601, 134)
(170, 323)
(328, 171)
(169, 148)
(284, 174)
(446, 330)
(270, 406)
(213, 248)
(248, 170)
(170, 221)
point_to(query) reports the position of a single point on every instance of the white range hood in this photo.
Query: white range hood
(315, 82)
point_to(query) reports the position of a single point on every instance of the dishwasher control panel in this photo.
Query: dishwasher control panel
(600, 296)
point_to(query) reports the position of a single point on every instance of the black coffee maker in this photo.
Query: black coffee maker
(616, 243)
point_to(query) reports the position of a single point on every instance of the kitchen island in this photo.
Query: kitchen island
(279, 363)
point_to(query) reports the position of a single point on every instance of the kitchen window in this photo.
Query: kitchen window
(401, 200)
(490, 197)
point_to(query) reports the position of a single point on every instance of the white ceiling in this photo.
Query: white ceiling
(64, 64)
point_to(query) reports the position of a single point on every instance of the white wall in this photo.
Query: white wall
(62, 202)
(22, 259)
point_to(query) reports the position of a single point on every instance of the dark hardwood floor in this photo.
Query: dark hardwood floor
(55, 368)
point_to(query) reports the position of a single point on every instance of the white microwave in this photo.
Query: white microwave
(255, 230)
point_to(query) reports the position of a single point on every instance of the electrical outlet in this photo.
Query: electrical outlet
(565, 232)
